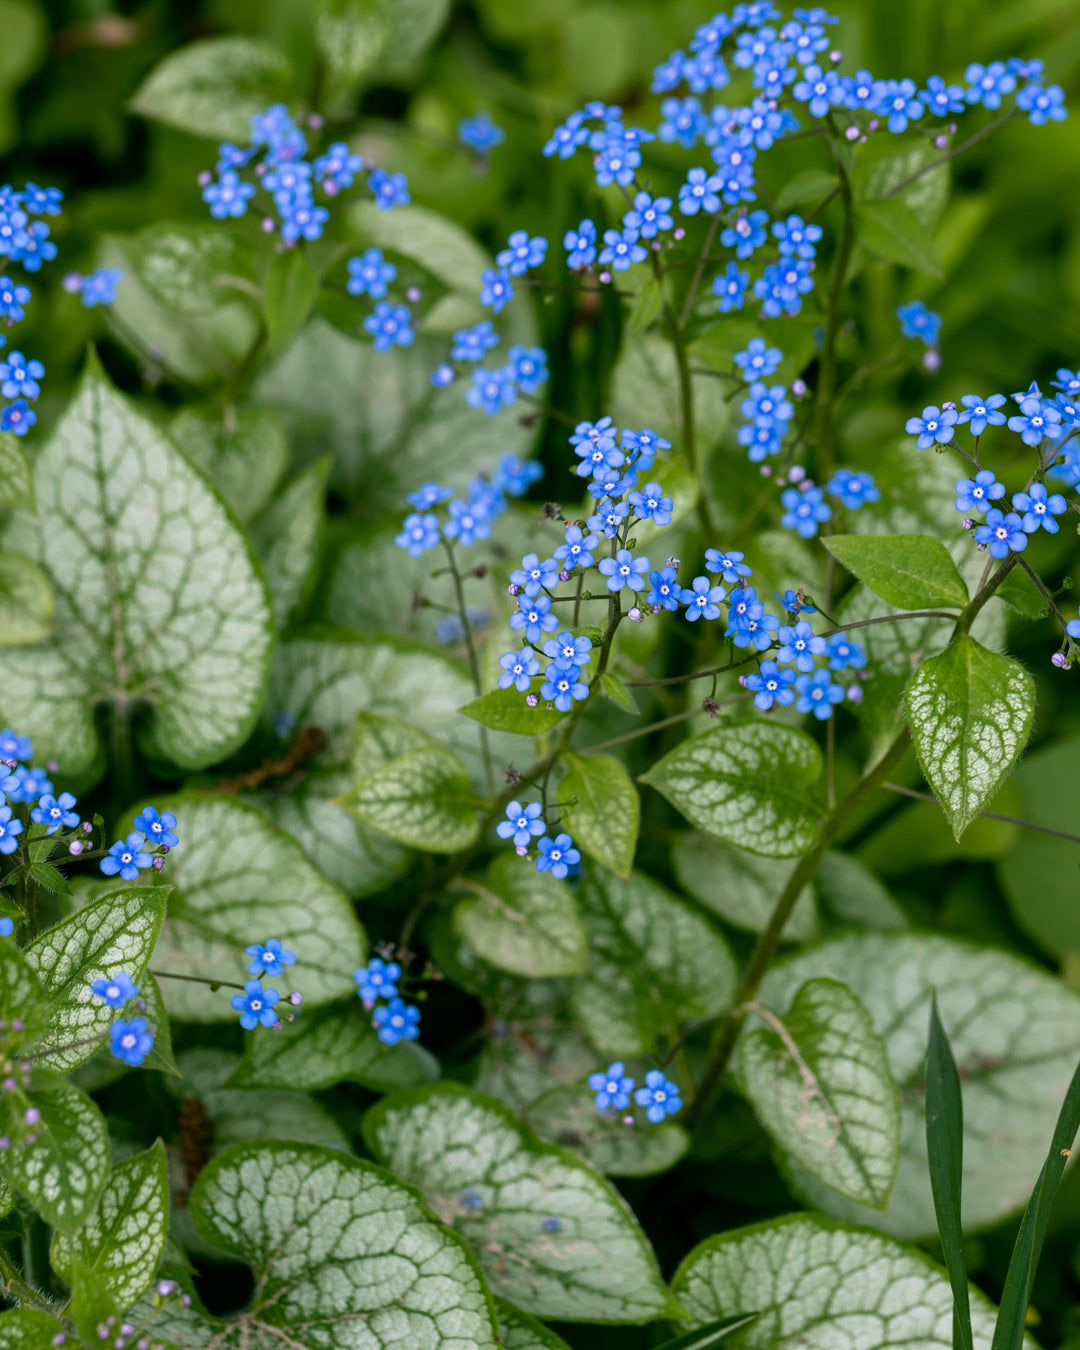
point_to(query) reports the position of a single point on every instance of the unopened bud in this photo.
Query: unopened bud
(742, 680)
(1060, 660)
(980, 548)
(941, 142)
(296, 998)
(443, 375)
(634, 615)
(855, 693)
(765, 471)
(679, 232)
(267, 225)
(969, 524)
(932, 360)
(852, 133)
(413, 295)
(5, 1143)
(86, 827)
(75, 847)
(948, 407)
(873, 124)
(836, 57)
(604, 277)
(159, 864)
(564, 575)
(798, 388)
(521, 850)
(31, 1116)
(513, 589)
(205, 178)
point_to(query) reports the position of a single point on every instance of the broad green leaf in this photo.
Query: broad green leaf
(970, 713)
(806, 189)
(351, 35)
(602, 809)
(328, 1046)
(194, 268)
(26, 34)
(288, 538)
(647, 305)
(161, 1056)
(343, 1256)
(120, 1241)
(910, 571)
(215, 87)
(506, 710)
(852, 894)
(741, 888)
(522, 920)
(645, 391)
(595, 1266)
(21, 994)
(818, 1077)
(158, 598)
(1015, 1032)
(883, 170)
(423, 799)
(654, 964)
(568, 1116)
(519, 1331)
(891, 229)
(288, 294)
(416, 24)
(238, 880)
(28, 1329)
(244, 452)
(63, 1171)
(115, 932)
(613, 688)
(90, 1304)
(1018, 591)
(524, 1059)
(751, 785)
(16, 479)
(377, 740)
(27, 603)
(816, 1285)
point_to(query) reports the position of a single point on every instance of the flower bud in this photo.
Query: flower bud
(564, 575)
(17, 1024)
(268, 225)
(330, 188)
(75, 847)
(855, 693)
(443, 375)
(513, 589)
(635, 615)
(532, 700)
(742, 680)
(679, 232)
(205, 178)
(969, 524)
(86, 827)
(165, 1288)
(932, 360)
(413, 295)
(1060, 660)
(873, 124)
(766, 471)
(31, 1116)
(948, 406)
(941, 142)
(159, 864)
(296, 998)
(52, 766)
(835, 57)
(9, 1085)
(521, 850)
(852, 133)
(73, 284)
(5, 1142)
(799, 388)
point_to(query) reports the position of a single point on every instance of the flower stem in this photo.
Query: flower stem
(474, 662)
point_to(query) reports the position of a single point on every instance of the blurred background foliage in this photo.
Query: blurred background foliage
(1009, 238)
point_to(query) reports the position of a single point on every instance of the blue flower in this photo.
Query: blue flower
(641, 447)
(771, 685)
(1001, 533)
(818, 694)
(651, 504)
(757, 630)
(933, 427)
(229, 196)
(660, 1096)
(916, 321)
(158, 829)
(495, 287)
(390, 189)
(528, 366)
(617, 154)
(981, 412)
(468, 523)
(557, 855)
(976, 494)
(820, 90)
(577, 551)
(609, 517)
(1039, 509)
(649, 215)
(897, 101)
(397, 1022)
(622, 249)
(15, 747)
(256, 1005)
(666, 591)
(54, 812)
(624, 570)
(767, 406)
(370, 274)
(518, 669)
(1068, 381)
(131, 1041)
(861, 90)
(580, 244)
(514, 476)
(522, 823)
(683, 121)
(7, 927)
(730, 285)
(798, 646)
(126, 856)
(117, 990)
(565, 139)
(941, 98)
(19, 377)
(8, 830)
(986, 84)
(796, 238)
(843, 653)
(522, 253)
(269, 960)
(743, 606)
(533, 575)
(562, 686)
(378, 979)
(1036, 421)
(781, 287)
(730, 565)
(1043, 105)
(794, 602)
(746, 234)
(612, 1088)
(418, 534)
(12, 298)
(42, 201)
(761, 123)
(303, 220)
(492, 390)
(698, 193)
(702, 599)
(31, 784)
(338, 167)
(99, 288)
(804, 511)
(532, 617)
(854, 489)
(480, 133)
(566, 650)
(390, 324)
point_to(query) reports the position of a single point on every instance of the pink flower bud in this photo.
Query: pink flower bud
(413, 295)
(679, 232)
(932, 360)
(513, 589)
(86, 827)
(855, 693)
(852, 133)
(72, 283)
(1060, 660)
(635, 615)
(296, 998)
(836, 57)
(873, 124)
(5, 1142)
(799, 388)
(17, 1024)
(159, 864)
(75, 847)
(205, 178)
(315, 121)
(969, 524)
(521, 851)
(604, 277)
(31, 1116)
(796, 473)
(330, 188)
(941, 142)
(564, 575)
(267, 225)
(52, 766)
(532, 700)
(765, 471)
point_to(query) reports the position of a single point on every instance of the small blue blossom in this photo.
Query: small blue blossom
(7, 927)
(557, 855)
(12, 298)
(29, 784)
(757, 631)
(256, 1005)
(566, 650)
(980, 413)
(621, 249)
(987, 84)
(15, 747)
(771, 685)
(649, 215)
(495, 288)
(898, 103)
(1039, 509)
(577, 550)
(659, 1096)
(797, 238)
(8, 830)
(492, 390)
(818, 694)
(528, 367)
(853, 489)
(766, 406)
(730, 285)
(470, 1200)
(270, 959)
(843, 653)
(565, 139)
(533, 576)
(468, 522)
(126, 856)
(683, 121)
(1068, 381)
(933, 427)
(612, 1088)
(54, 812)
(378, 979)
(522, 253)
(699, 193)
(1043, 105)
(976, 494)
(229, 196)
(276, 129)
(389, 325)
(795, 602)
(746, 234)
(390, 189)
(514, 476)
(916, 321)
(480, 133)
(518, 670)
(337, 169)
(117, 990)
(522, 824)
(1001, 533)
(159, 829)
(609, 517)
(798, 646)
(804, 511)
(580, 244)
(131, 1041)
(617, 154)
(702, 599)
(551, 1224)
(471, 344)
(782, 286)
(533, 618)
(419, 533)
(562, 686)
(941, 98)
(641, 447)
(861, 90)
(651, 504)
(1036, 420)
(761, 123)
(397, 1022)
(370, 274)
(19, 377)
(624, 570)
(40, 201)
(759, 360)
(821, 90)
(303, 220)
(666, 591)
(99, 288)
(730, 565)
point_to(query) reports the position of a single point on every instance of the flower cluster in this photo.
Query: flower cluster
(131, 1040)
(614, 1088)
(257, 1005)
(23, 240)
(804, 504)
(145, 847)
(96, 288)
(470, 516)
(395, 1020)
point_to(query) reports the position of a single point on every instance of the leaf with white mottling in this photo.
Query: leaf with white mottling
(351, 35)
(654, 964)
(243, 453)
(594, 1266)
(568, 1116)
(1015, 1033)
(519, 1331)
(21, 994)
(602, 809)
(27, 603)
(63, 1171)
(819, 1079)
(288, 535)
(970, 713)
(116, 932)
(158, 598)
(817, 1285)
(752, 785)
(739, 887)
(237, 881)
(423, 799)
(195, 269)
(28, 1329)
(120, 1242)
(16, 480)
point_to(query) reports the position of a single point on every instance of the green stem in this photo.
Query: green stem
(826, 390)
(474, 661)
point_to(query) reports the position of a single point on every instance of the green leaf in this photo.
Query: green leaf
(597, 1266)
(27, 604)
(613, 688)
(568, 1116)
(1019, 593)
(751, 785)
(945, 1152)
(891, 229)
(194, 269)
(63, 1171)
(654, 964)
(120, 1242)
(423, 799)
(191, 638)
(533, 1057)
(506, 710)
(519, 1331)
(235, 876)
(289, 294)
(1016, 1038)
(523, 921)
(647, 305)
(243, 452)
(215, 87)
(815, 1284)
(378, 740)
(28, 1329)
(90, 1304)
(115, 932)
(740, 887)
(970, 713)
(806, 189)
(351, 35)
(818, 1077)
(910, 571)
(21, 994)
(331, 1045)
(16, 480)
(288, 539)
(602, 809)
(343, 1255)
(883, 170)
(161, 1056)
(852, 893)
(49, 878)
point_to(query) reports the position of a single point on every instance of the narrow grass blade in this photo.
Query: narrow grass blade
(945, 1147)
(704, 1338)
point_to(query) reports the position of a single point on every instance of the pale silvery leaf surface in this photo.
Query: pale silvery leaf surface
(739, 887)
(1015, 1033)
(568, 1116)
(519, 1331)
(287, 536)
(63, 1171)
(593, 1265)
(237, 881)
(422, 799)
(159, 600)
(28, 1329)
(27, 603)
(602, 809)
(243, 453)
(21, 994)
